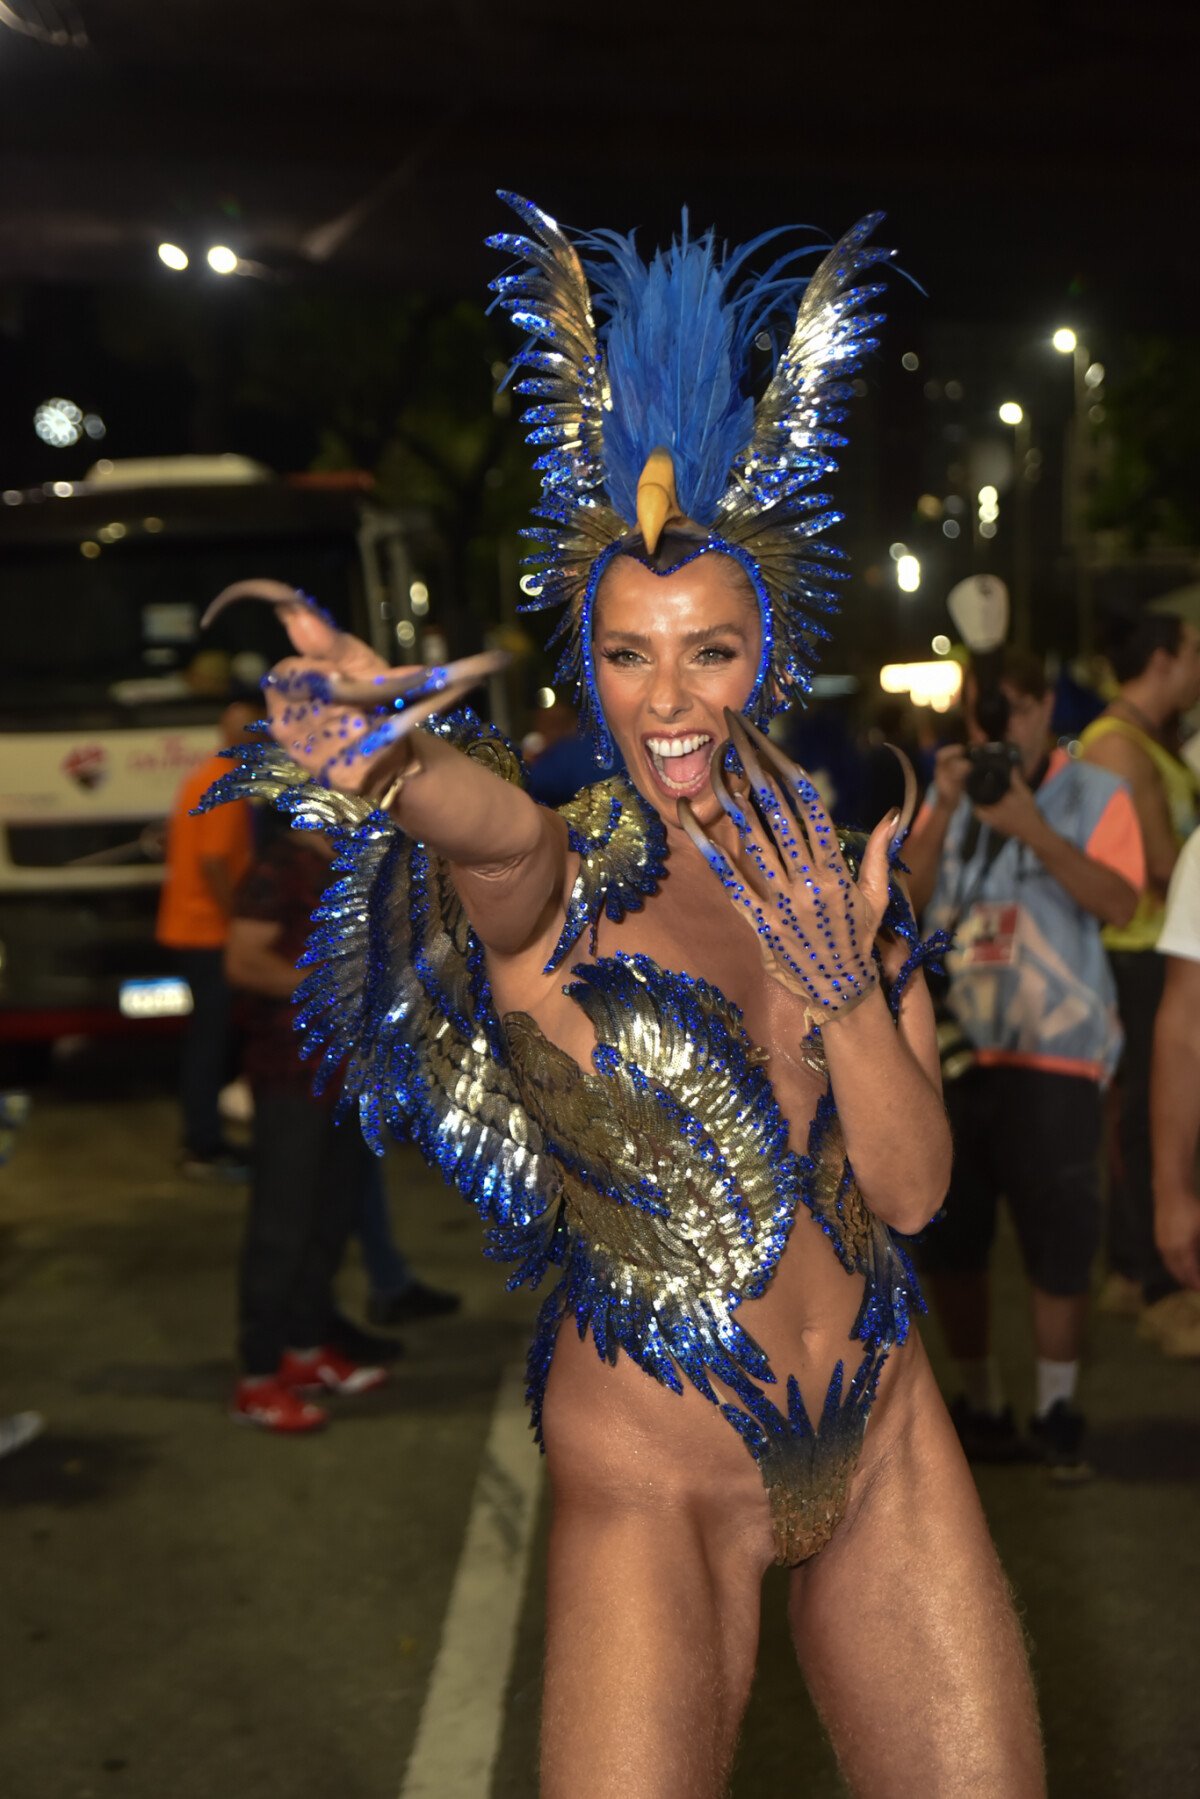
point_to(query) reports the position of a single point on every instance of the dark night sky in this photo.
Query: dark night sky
(1037, 164)
(1026, 154)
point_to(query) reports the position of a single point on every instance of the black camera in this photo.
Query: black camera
(990, 774)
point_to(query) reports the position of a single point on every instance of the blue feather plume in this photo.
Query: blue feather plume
(676, 349)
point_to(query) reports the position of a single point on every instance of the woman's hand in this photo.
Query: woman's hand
(336, 707)
(816, 924)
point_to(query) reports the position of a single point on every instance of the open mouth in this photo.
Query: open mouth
(680, 764)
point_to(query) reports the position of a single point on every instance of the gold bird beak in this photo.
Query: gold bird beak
(657, 501)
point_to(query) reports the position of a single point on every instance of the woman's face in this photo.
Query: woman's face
(671, 652)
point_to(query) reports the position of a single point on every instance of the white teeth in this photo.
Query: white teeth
(670, 747)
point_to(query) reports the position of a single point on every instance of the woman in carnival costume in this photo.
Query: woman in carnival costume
(673, 1042)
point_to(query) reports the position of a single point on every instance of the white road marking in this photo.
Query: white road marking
(458, 1736)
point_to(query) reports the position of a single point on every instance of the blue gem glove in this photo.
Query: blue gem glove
(336, 707)
(815, 922)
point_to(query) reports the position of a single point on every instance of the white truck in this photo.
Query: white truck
(109, 693)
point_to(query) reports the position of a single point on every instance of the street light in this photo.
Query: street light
(1012, 413)
(173, 257)
(1077, 469)
(222, 260)
(908, 573)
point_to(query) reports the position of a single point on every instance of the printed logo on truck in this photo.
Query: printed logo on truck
(87, 766)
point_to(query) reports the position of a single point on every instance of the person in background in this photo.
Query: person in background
(559, 756)
(310, 1175)
(207, 855)
(1175, 1089)
(1156, 660)
(1023, 885)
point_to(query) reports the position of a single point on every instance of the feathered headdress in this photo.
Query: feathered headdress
(646, 418)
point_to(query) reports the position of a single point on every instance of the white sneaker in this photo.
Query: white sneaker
(19, 1428)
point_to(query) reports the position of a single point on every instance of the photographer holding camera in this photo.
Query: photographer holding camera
(1022, 854)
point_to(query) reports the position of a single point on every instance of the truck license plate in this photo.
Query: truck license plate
(167, 997)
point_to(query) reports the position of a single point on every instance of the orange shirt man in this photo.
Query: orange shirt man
(207, 855)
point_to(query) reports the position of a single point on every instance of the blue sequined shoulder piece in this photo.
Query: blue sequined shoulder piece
(621, 843)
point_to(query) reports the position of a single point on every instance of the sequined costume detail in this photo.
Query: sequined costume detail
(659, 1186)
(622, 850)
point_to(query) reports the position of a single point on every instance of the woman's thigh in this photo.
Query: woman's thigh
(905, 1628)
(652, 1626)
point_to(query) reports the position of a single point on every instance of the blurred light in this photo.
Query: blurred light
(418, 595)
(152, 525)
(763, 341)
(90, 549)
(935, 684)
(1094, 374)
(1064, 340)
(941, 644)
(173, 256)
(221, 260)
(955, 504)
(13, 496)
(908, 574)
(950, 527)
(988, 495)
(64, 489)
(530, 586)
(168, 997)
(420, 607)
(859, 387)
(58, 423)
(987, 527)
(897, 550)
(94, 425)
(953, 390)
(103, 467)
(1096, 414)
(546, 697)
(929, 506)
(933, 390)
(406, 633)
(910, 361)
(1011, 413)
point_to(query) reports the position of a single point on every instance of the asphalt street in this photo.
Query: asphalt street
(192, 1609)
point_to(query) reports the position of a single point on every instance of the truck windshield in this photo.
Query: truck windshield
(116, 639)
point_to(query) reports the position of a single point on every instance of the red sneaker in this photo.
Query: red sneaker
(273, 1406)
(328, 1369)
